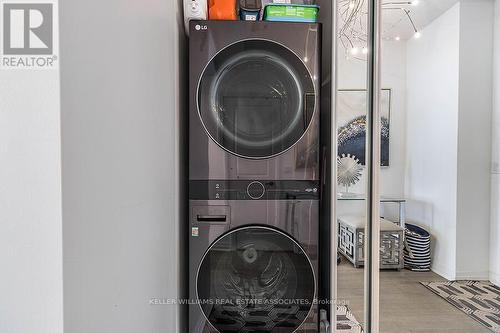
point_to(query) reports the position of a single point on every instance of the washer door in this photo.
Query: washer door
(256, 98)
(255, 279)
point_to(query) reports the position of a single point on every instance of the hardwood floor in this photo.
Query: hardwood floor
(405, 305)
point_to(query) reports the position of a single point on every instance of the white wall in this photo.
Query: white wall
(31, 297)
(120, 164)
(495, 177)
(432, 118)
(449, 136)
(474, 139)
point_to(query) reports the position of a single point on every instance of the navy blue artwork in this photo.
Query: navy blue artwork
(352, 121)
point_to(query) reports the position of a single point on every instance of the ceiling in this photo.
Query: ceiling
(395, 23)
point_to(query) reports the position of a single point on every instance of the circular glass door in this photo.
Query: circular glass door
(255, 279)
(256, 98)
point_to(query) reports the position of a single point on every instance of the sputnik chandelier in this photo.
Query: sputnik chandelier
(353, 20)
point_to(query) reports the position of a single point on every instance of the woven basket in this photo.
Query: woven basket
(417, 252)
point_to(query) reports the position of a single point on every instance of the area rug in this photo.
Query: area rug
(346, 322)
(480, 300)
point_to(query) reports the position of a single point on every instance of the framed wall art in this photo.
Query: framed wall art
(351, 120)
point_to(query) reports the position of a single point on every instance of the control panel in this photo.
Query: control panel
(253, 190)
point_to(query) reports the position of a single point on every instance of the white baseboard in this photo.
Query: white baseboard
(476, 276)
(443, 272)
(495, 278)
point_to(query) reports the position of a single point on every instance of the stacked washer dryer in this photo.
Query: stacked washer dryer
(253, 176)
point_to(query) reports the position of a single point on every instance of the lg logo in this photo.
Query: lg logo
(28, 29)
(199, 27)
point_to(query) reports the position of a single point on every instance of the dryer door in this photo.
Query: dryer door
(255, 279)
(256, 98)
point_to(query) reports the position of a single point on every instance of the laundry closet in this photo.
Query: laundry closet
(257, 164)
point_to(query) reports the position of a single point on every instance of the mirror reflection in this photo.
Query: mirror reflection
(439, 164)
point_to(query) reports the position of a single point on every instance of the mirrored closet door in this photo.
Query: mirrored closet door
(355, 98)
(417, 120)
